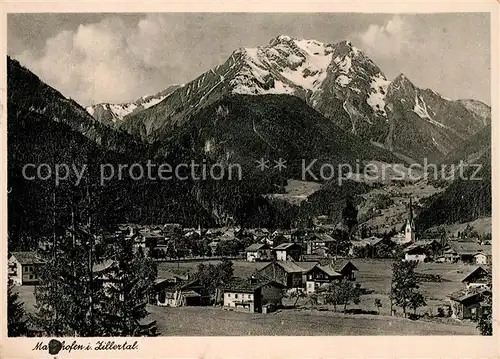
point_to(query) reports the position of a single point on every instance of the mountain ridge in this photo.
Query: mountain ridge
(329, 78)
(113, 114)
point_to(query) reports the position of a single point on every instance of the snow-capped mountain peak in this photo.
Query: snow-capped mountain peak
(296, 66)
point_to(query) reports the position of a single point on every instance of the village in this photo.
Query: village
(282, 272)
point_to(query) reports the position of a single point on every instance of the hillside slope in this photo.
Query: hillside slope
(30, 94)
(465, 199)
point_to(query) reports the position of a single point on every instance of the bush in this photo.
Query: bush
(440, 312)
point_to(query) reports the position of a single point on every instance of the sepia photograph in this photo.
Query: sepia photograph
(202, 174)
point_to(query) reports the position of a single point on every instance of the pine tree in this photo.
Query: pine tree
(16, 321)
(350, 216)
(127, 282)
(68, 292)
(66, 296)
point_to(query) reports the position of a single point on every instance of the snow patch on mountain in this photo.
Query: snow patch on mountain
(120, 111)
(90, 110)
(284, 66)
(378, 91)
(344, 65)
(117, 112)
(153, 101)
(343, 81)
(421, 108)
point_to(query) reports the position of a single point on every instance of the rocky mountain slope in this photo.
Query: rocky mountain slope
(113, 114)
(242, 129)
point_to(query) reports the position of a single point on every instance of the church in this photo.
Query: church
(408, 236)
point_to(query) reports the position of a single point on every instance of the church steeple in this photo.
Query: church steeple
(410, 214)
(410, 225)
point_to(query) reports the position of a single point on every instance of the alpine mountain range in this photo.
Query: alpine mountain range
(291, 98)
(337, 80)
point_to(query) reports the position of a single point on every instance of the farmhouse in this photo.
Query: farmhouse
(288, 251)
(258, 252)
(252, 294)
(375, 245)
(477, 277)
(346, 268)
(321, 241)
(469, 303)
(280, 238)
(483, 256)
(415, 252)
(23, 268)
(228, 235)
(320, 275)
(178, 293)
(466, 252)
(286, 273)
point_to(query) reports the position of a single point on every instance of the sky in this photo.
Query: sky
(116, 58)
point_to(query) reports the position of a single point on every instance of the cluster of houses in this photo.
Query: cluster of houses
(313, 241)
(449, 251)
(311, 247)
(307, 244)
(261, 292)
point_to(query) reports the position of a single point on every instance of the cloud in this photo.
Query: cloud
(389, 39)
(108, 61)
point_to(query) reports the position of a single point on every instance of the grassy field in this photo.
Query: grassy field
(212, 321)
(376, 275)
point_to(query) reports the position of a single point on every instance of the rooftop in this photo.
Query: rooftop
(290, 267)
(342, 263)
(248, 285)
(283, 246)
(26, 258)
(477, 270)
(470, 248)
(256, 246)
(328, 269)
(321, 237)
(464, 294)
